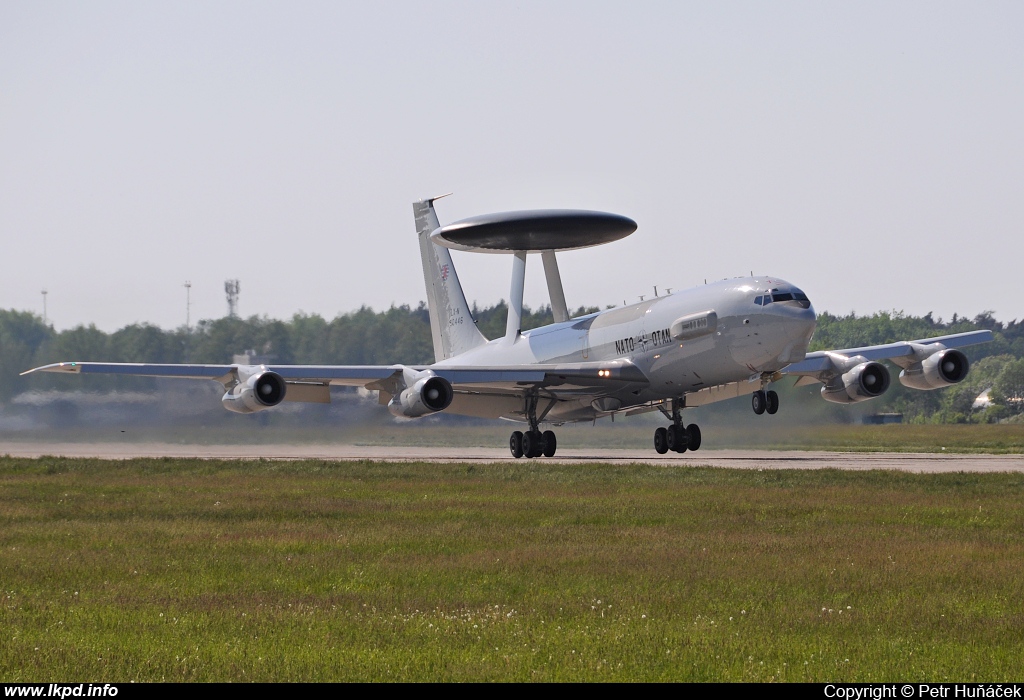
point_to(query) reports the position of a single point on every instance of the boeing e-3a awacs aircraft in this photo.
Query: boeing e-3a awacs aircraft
(689, 348)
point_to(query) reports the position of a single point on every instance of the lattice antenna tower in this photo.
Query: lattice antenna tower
(231, 289)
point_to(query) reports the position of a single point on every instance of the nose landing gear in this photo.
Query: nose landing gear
(762, 401)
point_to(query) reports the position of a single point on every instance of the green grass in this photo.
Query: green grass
(979, 438)
(205, 570)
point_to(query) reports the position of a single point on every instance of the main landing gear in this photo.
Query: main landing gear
(762, 401)
(677, 437)
(533, 443)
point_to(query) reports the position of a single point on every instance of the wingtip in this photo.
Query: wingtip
(55, 367)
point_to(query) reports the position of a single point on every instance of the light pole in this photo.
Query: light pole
(188, 306)
(44, 306)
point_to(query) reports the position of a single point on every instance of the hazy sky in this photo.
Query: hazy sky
(872, 153)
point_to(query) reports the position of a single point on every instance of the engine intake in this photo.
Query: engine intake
(258, 392)
(427, 395)
(941, 369)
(868, 380)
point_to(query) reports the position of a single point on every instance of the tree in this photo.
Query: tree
(1009, 387)
(21, 335)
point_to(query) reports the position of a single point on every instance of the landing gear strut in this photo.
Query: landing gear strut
(533, 443)
(677, 437)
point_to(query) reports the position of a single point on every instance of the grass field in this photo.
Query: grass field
(203, 570)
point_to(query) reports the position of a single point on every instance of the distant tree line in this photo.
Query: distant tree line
(399, 334)
(402, 334)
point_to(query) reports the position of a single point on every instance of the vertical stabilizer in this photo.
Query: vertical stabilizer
(451, 325)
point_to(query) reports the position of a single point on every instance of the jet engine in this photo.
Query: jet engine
(427, 395)
(940, 369)
(258, 392)
(868, 380)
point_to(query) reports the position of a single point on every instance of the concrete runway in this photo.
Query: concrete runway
(731, 459)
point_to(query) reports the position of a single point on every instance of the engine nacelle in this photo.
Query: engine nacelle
(427, 395)
(868, 380)
(258, 392)
(940, 369)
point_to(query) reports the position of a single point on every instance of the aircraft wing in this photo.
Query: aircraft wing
(901, 353)
(341, 375)
(138, 369)
(580, 375)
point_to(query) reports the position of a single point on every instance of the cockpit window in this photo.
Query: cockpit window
(777, 297)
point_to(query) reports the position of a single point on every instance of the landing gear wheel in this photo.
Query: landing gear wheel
(693, 437)
(529, 444)
(676, 438)
(773, 403)
(550, 443)
(533, 444)
(682, 438)
(515, 444)
(661, 441)
(758, 401)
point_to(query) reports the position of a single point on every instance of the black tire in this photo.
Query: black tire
(693, 437)
(773, 403)
(676, 438)
(529, 444)
(515, 444)
(682, 439)
(538, 443)
(758, 401)
(661, 441)
(550, 443)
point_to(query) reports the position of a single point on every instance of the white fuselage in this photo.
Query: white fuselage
(748, 339)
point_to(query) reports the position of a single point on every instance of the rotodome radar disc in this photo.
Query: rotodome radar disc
(534, 231)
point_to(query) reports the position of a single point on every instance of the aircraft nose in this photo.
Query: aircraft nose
(793, 311)
(809, 317)
(797, 319)
(809, 313)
